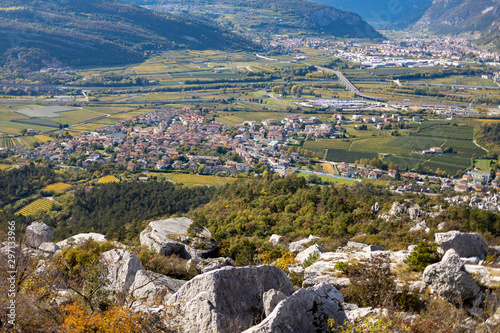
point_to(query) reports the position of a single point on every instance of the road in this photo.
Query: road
(274, 97)
(348, 84)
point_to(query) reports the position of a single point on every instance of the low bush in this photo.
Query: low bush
(423, 255)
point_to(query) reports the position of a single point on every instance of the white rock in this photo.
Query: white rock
(154, 288)
(275, 239)
(227, 299)
(311, 250)
(465, 245)
(307, 310)
(207, 265)
(49, 247)
(82, 238)
(122, 267)
(300, 245)
(450, 280)
(38, 233)
(270, 299)
(170, 236)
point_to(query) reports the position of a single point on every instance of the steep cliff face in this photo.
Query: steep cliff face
(342, 23)
(456, 16)
(383, 14)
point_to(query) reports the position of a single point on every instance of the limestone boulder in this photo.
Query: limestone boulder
(229, 299)
(82, 238)
(210, 264)
(49, 248)
(465, 244)
(122, 267)
(38, 233)
(307, 310)
(310, 251)
(270, 299)
(300, 245)
(450, 279)
(170, 236)
(275, 239)
(153, 288)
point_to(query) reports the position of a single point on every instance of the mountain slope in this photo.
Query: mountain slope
(384, 14)
(279, 16)
(456, 16)
(99, 32)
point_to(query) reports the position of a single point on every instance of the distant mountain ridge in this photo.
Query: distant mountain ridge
(98, 32)
(384, 14)
(307, 15)
(456, 16)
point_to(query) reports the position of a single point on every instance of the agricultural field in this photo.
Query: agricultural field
(5, 166)
(57, 187)
(340, 144)
(416, 143)
(336, 155)
(328, 168)
(378, 145)
(193, 179)
(406, 161)
(22, 141)
(484, 164)
(37, 206)
(108, 179)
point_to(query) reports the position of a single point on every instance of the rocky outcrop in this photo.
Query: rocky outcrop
(171, 236)
(210, 264)
(38, 233)
(228, 299)
(270, 299)
(307, 310)
(450, 279)
(275, 239)
(311, 250)
(364, 247)
(300, 245)
(82, 238)
(375, 208)
(151, 288)
(49, 248)
(465, 245)
(122, 267)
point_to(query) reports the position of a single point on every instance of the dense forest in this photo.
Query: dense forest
(292, 208)
(118, 209)
(90, 32)
(18, 183)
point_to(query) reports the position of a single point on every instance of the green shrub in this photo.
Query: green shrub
(311, 259)
(342, 266)
(422, 256)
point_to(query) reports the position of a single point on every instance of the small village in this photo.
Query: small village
(157, 141)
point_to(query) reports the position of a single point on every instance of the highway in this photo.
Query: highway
(349, 85)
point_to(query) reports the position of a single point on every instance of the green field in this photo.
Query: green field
(484, 164)
(193, 179)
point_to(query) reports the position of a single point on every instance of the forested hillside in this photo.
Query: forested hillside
(488, 136)
(21, 182)
(117, 209)
(286, 14)
(288, 206)
(35, 33)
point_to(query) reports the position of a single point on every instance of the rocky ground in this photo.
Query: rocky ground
(223, 298)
